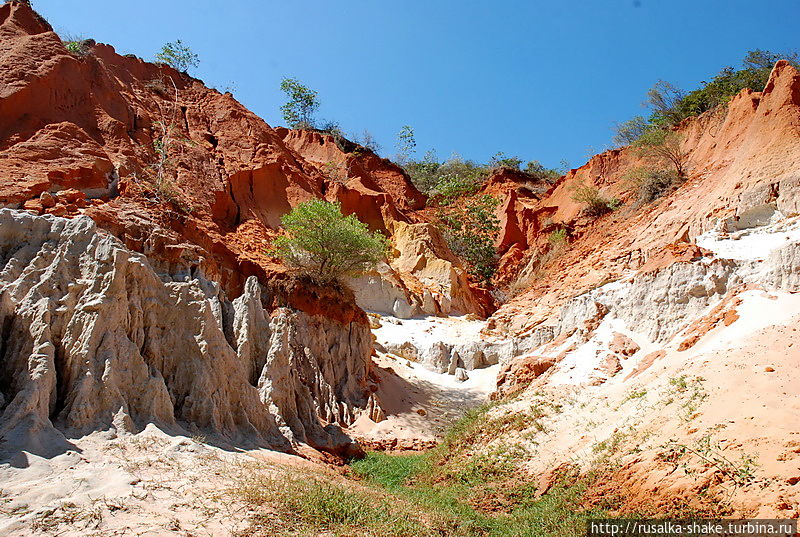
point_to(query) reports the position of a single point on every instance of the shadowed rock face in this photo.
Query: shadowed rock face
(94, 339)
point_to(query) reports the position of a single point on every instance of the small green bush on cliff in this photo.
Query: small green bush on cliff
(470, 229)
(629, 131)
(325, 245)
(501, 160)
(651, 184)
(664, 146)
(445, 181)
(178, 55)
(299, 110)
(537, 172)
(596, 204)
(77, 45)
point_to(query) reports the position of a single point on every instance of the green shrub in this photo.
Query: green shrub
(325, 245)
(342, 142)
(451, 186)
(332, 128)
(627, 132)
(500, 160)
(406, 144)
(178, 55)
(557, 237)
(664, 100)
(538, 172)
(595, 203)
(77, 45)
(651, 184)
(303, 103)
(74, 47)
(470, 229)
(664, 146)
(338, 173)
(448, 180)
(368, 141)
(159, 178)
(467, 170)
(423, 173)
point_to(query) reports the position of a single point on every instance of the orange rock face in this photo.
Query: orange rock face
(174, 169)
(738, 160)
(156, 158)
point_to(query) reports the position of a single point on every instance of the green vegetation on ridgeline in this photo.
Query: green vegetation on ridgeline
(178, 55)
(467, 218)
(669, 105)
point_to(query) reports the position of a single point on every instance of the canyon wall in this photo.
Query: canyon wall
(93, 339)
(743, 159)
(137, 283)
(666, 332)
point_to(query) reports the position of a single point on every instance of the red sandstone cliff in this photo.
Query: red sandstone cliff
(176, 170)
(747, 155)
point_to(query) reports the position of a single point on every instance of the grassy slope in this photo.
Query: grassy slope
(448, 491)
(472, 485)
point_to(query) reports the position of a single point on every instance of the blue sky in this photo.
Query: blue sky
(540, 80)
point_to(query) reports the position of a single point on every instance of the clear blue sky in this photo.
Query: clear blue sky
(541, 80)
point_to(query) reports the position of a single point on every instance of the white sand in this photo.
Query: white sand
(150, 484)
(425, 331)
(420, 403)
(751, 244)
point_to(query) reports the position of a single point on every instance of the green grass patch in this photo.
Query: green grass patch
(511, 506)
(388, 471)
(475, 485)
(306, 505)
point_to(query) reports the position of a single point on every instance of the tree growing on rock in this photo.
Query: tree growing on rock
(327, 246)
(406, 144)
(664, 99)
(664, 145)
(470, 229)
(303, 103)
(178, 55)
(628, 132)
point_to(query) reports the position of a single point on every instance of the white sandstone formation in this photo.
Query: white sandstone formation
(423, 277)
(444, 345)
(93, 339)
